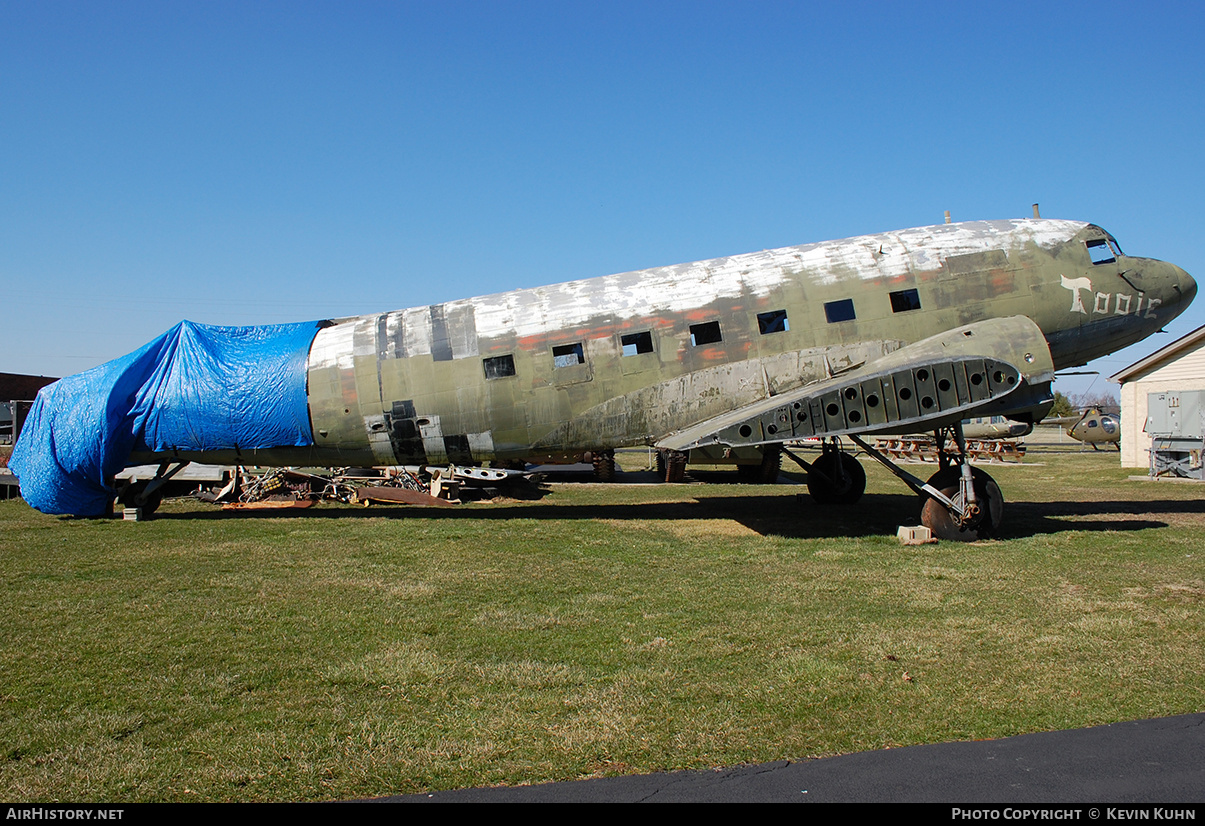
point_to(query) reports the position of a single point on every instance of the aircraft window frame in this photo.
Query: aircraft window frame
(1095, 246)
(1116, 246)
(840, 310)
(568, 355)
(905, 301)
(706, 333)
(773, 321)
(499, 367)
(640, 343)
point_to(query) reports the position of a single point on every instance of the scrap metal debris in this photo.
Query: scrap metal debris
(415, 485)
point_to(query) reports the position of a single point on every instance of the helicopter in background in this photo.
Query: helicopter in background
(1092, 427)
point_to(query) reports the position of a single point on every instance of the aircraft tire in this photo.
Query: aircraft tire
(130, 493)
(846, 494)
(941, 522)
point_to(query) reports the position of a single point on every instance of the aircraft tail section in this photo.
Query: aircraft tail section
(196, 387)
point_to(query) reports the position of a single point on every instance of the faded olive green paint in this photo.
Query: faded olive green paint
(975, 273)
(381, 385)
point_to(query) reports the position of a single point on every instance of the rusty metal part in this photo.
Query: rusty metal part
(604, 465)
(400, 496)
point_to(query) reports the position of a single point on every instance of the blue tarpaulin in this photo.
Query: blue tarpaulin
(196, 387)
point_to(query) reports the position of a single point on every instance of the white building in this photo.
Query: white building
(1178, 366)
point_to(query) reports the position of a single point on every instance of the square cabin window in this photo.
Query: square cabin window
(842, 310)
(708, 333)
(568, 355)
(499, 367)
(774, 321)
(905, 300)
(636, 343)
(1100, 252)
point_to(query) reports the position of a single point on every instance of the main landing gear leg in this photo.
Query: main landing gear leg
(961, 503)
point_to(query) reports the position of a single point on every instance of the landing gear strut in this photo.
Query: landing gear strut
(961, 503)
(979, 517)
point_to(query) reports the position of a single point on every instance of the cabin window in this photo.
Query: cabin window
(708, 333)
(774, 321)
(842, 310)
(905, 300)
(568, 355)
(636, 343)
(499, 367)
(1101, 252)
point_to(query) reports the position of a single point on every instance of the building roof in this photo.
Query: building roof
(15, 386)
(1160, 356)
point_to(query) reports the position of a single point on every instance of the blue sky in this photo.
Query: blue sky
(250, 163)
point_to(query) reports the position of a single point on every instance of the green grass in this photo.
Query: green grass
(340, 653)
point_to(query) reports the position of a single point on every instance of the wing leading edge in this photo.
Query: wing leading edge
(989, 367)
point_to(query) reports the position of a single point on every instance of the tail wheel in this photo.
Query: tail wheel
(130, 493)
(945, 525)
(836, 478)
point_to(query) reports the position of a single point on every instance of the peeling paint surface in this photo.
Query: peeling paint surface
(681, 287)
(665, 349)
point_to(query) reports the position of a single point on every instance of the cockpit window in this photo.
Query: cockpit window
(1116, 247)
(1101, 252)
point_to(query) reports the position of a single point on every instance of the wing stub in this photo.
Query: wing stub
(919, 394)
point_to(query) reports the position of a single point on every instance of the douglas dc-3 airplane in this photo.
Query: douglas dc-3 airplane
(891, 333)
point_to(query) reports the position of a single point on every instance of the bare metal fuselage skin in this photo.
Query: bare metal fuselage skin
(621, 360)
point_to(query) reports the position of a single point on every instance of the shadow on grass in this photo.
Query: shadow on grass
(792, 514)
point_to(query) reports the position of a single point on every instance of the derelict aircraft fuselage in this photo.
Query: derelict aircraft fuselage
(629, 359)
(888, 333)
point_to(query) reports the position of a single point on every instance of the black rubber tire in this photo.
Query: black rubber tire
(847, 493)
(131, 492)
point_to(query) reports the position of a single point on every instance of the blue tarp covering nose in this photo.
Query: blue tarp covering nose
(196, 387)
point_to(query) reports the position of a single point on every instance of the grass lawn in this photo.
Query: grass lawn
(341, 652)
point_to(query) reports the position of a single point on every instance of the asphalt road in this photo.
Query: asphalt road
(1140, 763)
